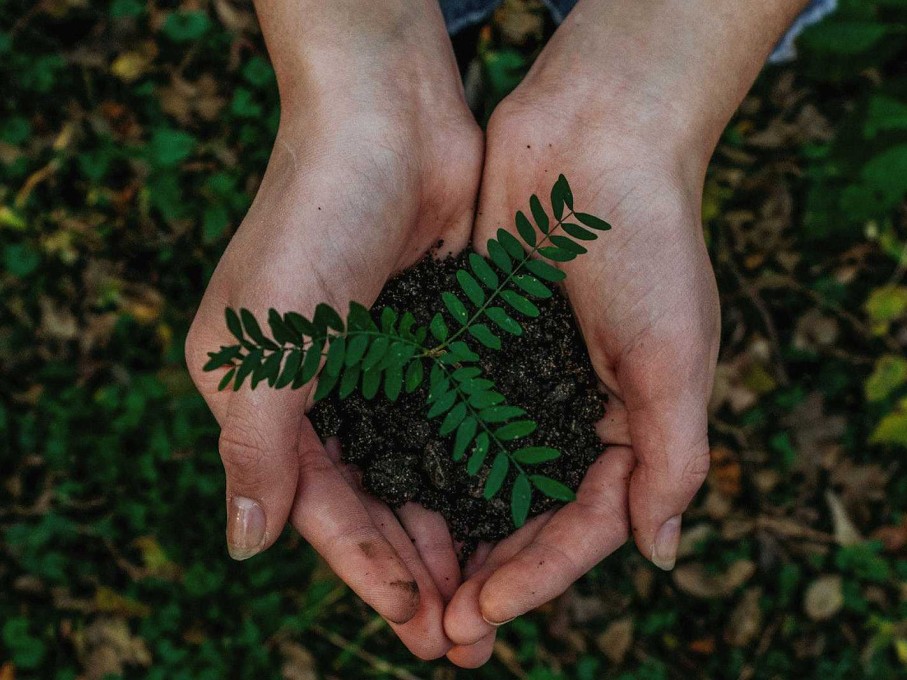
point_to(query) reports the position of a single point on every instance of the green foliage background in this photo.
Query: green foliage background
(132, 137)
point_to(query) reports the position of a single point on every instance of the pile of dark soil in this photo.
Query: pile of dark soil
(546, 371)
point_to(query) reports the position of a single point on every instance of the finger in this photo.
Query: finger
(463, 620)
(473, 656)
(574, 540)
(332, 518)
(258, 443)
(431, 538)
(258, 447)
(668, 423)
(423, 634)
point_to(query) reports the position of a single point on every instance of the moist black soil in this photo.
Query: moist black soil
(400, 454)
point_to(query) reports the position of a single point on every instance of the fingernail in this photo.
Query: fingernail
(245, 528)
(497, 623)
(664, 551)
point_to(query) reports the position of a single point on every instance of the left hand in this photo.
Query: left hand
(647, 304)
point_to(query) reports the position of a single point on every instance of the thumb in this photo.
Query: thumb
(667, 394)
(258, 445)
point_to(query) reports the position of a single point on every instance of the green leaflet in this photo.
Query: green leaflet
(496, 477)
(552, 488)
(471, 287)
(520, 500)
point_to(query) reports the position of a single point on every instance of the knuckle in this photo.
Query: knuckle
(696, 467)
(242, 448)
(194, 350)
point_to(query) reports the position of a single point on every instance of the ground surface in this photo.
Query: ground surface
(545, 371)
(132, 138)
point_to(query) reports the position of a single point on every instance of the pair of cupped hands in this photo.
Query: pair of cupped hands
(369, 171)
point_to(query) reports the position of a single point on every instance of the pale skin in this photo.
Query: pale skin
(377, 157)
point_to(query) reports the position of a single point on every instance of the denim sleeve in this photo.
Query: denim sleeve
(462, 13)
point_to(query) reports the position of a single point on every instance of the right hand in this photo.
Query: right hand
(377, 158)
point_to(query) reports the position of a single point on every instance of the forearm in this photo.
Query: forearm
(354, 47)
(676, 66)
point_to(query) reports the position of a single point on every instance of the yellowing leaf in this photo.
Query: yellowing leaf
(758, 379)
(130, 66)
(900, 647)
(11, 219)
(111, 602)
(885, 305)
(892, 429)
(890, 373)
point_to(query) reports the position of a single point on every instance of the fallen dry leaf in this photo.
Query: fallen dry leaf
(298, 664)
(844, 531)
(746, 619)
(107, 647)
(725, 473)
(694, 580)
(824, 597)
(616, 639)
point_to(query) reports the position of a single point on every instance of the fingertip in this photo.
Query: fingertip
(463, 621)
(474, 655)
(403, 604)
(494, 611)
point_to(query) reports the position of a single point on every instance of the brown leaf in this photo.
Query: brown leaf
(616, 639)
(107, 646)
(844, 530)
(691, 537)
(814, 331)
(746, 619)
(894, 538)
(724, 473)
(694, 580)
(299, 663)
(704, 646)
(824, 597)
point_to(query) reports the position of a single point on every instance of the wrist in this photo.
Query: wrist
(360, 55)
(667, 71)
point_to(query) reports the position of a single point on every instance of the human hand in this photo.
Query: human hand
(376, 159)
(646, 302)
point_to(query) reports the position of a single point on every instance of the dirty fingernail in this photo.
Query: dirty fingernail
(245, 528)
(664, 551)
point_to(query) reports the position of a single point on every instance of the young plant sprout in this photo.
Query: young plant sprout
(396, 354)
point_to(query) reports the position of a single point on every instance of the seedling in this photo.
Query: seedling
(396, 354)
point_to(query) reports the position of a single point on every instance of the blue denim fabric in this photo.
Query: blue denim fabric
(462, 13)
